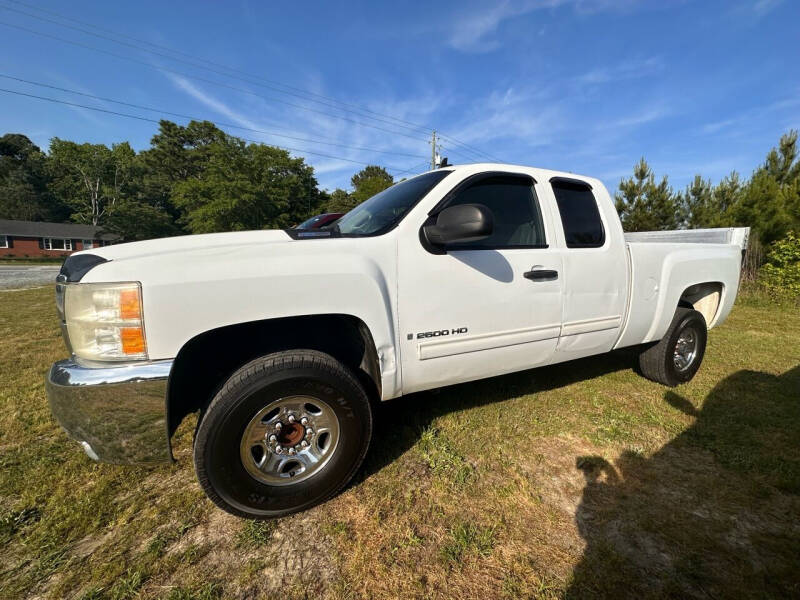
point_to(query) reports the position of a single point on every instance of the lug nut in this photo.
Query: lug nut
(291, 418)
(292, 451)
(304, 443)
(273, 438)
(304, 421)
(278, 425)
(278, 450)
(309, 431)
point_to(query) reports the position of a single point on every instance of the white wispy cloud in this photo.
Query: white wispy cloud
(718, 125)
(762, 7)
(473, 31)
(628, 69)
(512, 113)
(333, 164)
(646, 115)
(211, 102)
(755, 116)
(470, 33)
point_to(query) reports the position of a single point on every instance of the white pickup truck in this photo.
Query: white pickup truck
(283, 340)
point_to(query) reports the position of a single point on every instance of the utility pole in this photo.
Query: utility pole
(433, 150)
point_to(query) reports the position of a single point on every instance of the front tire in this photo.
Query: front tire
(287, 431)
(677, 357)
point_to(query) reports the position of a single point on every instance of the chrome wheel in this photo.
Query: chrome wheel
(289, 440)
(685, 349)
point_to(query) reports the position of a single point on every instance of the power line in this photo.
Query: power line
(218, 123)
(212, 70)
(210, 62)
(360, 110)
(210, 81)
(203, 60)
(414, 168)
(149, 120)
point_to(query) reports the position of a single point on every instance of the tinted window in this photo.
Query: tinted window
(517, 220)
(579, 215)
(310, 222)
(385, 209)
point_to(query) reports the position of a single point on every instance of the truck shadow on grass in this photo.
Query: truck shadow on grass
(712, 514)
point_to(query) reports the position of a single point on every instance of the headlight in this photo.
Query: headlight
(104, 321)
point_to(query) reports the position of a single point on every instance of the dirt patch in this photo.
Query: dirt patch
(89, 544)
(295, 557)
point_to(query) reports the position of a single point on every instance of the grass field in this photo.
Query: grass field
(581, 480)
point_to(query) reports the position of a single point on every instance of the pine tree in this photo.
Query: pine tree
(770, 202)
(644, 205)
(701, 203)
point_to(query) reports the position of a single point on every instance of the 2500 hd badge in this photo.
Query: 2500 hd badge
(439, 332)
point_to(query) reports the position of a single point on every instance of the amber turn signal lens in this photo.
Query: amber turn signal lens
(129, 306)
(132, 340)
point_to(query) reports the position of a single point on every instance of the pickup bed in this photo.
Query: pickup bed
(283, 340)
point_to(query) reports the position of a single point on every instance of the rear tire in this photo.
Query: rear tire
(287, 431)
(677, 357)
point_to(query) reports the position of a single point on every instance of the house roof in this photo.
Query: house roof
(58, 230)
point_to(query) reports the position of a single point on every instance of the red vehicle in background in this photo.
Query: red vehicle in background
(320, 221)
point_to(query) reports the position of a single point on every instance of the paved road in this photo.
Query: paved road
(14, 277)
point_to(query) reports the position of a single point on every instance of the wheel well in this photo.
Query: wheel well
(206, 361)
(704, 298)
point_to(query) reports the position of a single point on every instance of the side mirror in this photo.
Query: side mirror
(459, 224)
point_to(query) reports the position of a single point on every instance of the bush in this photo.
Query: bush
(781, 273)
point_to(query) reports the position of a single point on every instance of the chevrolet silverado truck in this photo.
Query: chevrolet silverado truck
(284, 340)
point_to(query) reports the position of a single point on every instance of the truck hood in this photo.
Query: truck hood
(189, 244)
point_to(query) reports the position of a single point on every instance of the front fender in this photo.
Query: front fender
(187, 294)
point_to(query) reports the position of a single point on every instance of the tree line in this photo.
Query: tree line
(198, 179)
(768, 202)
(192, 179)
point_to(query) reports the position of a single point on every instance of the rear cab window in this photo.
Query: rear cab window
(580, 215)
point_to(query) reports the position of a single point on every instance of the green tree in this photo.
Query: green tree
(133, 219)
(644, 205)
(701, 203)
(89, 178)
(781, 274)
(781, 163)
(339, 201)
(371, 172)
(770, 202)
(369, 181)
(23, 182)
(726, 194)
(245, 187)
(366, 183)
(177, 153)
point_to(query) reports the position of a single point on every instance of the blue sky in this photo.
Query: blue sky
(581, 85)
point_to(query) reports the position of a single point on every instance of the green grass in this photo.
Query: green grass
(580, 480)
(256, 533)
(467, 539)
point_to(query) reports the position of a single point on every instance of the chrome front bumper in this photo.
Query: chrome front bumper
(117, 413)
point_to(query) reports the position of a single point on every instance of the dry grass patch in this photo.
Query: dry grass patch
(580, 480)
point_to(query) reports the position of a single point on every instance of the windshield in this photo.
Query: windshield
(384, 210)
(310, 223)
